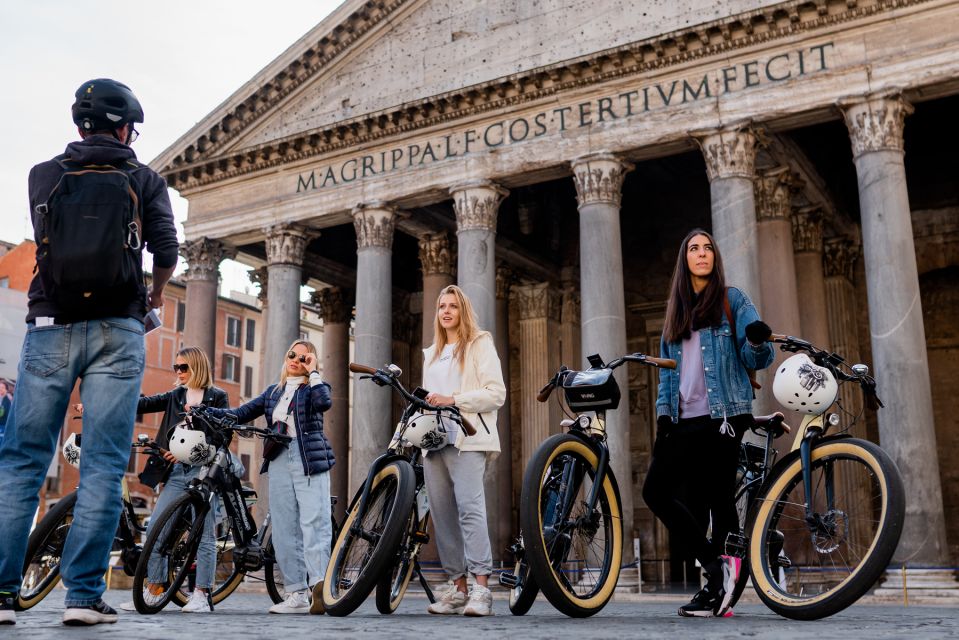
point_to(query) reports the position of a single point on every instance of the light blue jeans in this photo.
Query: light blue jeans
(176, 486)
(300, 512)
(107, 355)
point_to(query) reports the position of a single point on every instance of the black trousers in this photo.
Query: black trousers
(692, 476)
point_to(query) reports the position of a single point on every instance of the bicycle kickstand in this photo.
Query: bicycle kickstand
(423, 582)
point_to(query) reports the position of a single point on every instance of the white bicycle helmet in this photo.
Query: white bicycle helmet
(189, 446)
(803, 386)
(71, 450)
(426, 432)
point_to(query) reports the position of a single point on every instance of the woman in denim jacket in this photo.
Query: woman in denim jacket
(703, 408)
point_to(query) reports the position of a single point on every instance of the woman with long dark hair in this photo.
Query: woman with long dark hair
(703, 408)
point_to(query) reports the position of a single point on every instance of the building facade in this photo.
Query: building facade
(549, 157)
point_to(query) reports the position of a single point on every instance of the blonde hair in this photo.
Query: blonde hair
(310, 347)
(466, 331)
(199, 363)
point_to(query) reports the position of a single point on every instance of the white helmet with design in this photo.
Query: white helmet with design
(189, 446)
(425, 430)
(71, 450)
(803, 386)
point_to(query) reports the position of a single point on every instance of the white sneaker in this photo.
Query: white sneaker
(148, 597)
(480, 602)
(297, 602)
(197, 603)
(450, 603)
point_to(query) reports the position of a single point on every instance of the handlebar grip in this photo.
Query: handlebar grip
(662, 363)
(778, 337)
(468, 426)
(362, 368)
(544, 393)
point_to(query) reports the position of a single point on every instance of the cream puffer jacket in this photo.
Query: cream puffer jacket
(482, 392)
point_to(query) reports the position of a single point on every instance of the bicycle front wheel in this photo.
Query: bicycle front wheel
(574, 552)
(833, 557)
(41, 567)
(368, 541)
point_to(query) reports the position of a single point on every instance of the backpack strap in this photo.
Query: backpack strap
(732, 325)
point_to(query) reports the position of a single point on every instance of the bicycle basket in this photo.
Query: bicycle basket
(593, 390)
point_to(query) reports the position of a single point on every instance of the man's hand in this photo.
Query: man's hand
(155, 298)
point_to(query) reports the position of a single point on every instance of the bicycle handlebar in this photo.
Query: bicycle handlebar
(362, 368)
(659, 363)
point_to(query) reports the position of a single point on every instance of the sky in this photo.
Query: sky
(181, 58)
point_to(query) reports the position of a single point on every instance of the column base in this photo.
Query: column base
(919, 586)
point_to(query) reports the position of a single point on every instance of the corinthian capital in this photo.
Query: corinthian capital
(807, 230)
(286, 244)
(773, 189)
(204, 256)
(336, 305)
(538, 301)
(729, 153)
(599, 178)
(876, 124)
(476, 204)
(374, 224)
(435, 254)
(839, 258)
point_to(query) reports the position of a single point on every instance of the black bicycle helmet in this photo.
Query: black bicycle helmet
(105, 104)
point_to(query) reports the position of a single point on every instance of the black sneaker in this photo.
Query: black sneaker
(97, 613)
(8, 603)
(703, 605)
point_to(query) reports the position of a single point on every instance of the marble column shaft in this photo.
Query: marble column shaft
(436, 260)
(901, 364)
(373, 335)
(599, 180)
(285, 249)
(808, 245)
(476, 205)
(202, 279)
(499, 501)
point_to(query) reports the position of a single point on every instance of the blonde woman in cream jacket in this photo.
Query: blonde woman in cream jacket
(462, 368)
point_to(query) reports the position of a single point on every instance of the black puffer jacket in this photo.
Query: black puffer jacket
(171, 403)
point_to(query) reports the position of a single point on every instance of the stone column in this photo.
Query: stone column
(901, 364)
(261, 277)
(730, 165)
(571, 353)
(372, 415)
(539, 314)
(599, 181)
(807, 244)
(261, 482)
(336, 309)
(476, 205)
(202, 278)
(285, 249)
(499, 501)
(436, 258)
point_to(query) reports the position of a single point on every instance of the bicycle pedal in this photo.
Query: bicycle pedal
(421, 537)
(508, 579)
(736, 545)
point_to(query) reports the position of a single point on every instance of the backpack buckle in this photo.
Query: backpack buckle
(42, 209)
(133, 236)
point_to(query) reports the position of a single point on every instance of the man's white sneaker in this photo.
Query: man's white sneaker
(480, 602)
(198, 603)
(297, 602)
(450, 603)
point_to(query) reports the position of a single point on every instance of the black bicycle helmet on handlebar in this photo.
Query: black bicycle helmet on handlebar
(105, 104)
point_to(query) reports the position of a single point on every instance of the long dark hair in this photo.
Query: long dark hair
(686, 310)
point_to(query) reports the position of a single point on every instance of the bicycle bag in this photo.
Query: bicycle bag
(90, 235)
(592, 390)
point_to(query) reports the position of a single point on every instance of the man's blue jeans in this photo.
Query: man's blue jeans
(107, 355)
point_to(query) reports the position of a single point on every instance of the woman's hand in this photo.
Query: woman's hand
(310, 363)
(758, 332)
(166, 455)
(439, 400)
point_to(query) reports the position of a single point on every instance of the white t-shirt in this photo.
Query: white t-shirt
(443, 375)
(283, 412)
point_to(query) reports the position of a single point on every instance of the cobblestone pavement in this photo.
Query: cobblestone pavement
(243, 615)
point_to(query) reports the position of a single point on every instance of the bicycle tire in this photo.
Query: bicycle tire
(745, 496)
(351, 576)
(870, 543)
(392, 585)
(523, 595)
(225, 566)
(271, 571)
(181, 541)
(545, 558)
(44, 547)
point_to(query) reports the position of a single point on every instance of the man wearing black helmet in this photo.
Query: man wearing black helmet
(94, 209)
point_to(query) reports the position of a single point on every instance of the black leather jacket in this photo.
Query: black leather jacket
(171, 404)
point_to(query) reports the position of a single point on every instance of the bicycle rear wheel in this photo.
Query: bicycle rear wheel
(227, 575)
(392, 585)
(368, 541)
(41, 567)
(574, 554)
(858, 508)
(271, 572)
(523, 595)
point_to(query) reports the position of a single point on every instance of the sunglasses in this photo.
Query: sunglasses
(181, 368)
(292, 355)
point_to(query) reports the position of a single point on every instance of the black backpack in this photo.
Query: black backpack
(91, 235)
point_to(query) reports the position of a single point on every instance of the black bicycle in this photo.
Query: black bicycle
(386, 523)
(41, 566)
(820, 525)
(176, 534)
(570, 510)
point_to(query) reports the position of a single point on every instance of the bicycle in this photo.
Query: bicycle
(823, 522)
(386, 522)
(570, 510)
(176, 535)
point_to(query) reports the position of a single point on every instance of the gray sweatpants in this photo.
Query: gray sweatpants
(454, 484)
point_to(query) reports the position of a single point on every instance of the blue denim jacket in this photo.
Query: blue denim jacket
(727, 383)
